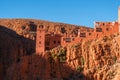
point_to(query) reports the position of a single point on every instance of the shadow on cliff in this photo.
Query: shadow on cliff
(19, 62)
(12, 47)
(28, 44)
(36, 67)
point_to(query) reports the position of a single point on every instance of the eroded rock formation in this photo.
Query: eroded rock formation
(97, 59)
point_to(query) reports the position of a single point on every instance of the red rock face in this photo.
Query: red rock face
(89, 60)
(17, 39)
(12, 47)
(94, 58)
(44, 69)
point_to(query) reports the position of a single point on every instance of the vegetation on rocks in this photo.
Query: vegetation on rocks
(97, 59)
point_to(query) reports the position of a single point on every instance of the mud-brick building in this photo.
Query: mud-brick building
(46, 41)
(82, 35)
(105, 28)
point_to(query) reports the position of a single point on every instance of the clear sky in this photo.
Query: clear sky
(79, 12)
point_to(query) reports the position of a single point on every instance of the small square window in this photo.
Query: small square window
(89, 34)
(47, 43)
(40, 42)
(73, 39)
(58, 42)
(47, 48)
(40, 26)
(54, 42)
(23, 27)
(64, 39)
(103, 24)
(107, 29)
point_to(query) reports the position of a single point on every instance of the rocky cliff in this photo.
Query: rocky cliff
(97, 59)
(12, 47)
(27, 27)
(17, 39)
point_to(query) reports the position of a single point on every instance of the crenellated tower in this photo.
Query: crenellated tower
(40, 40)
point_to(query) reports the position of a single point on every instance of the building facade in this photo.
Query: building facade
(46, 41)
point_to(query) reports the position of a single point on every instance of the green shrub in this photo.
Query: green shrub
(82, 61)
(115, 59)
(62, 55)
(79, 69)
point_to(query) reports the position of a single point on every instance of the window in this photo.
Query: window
(107, 29)
(40, 36)
(73, 39)
(64, 39)
(23, 27)
(47, 43)
(40, 42)
(54, 42)
(63, 30)
(40, 26)
(89, 34)
(68, 39)
(103, 24)
(98, 29)
(58, 42)
(82, 34)
(97, 35)
(47, 48)
(33, 27)
(18, 60)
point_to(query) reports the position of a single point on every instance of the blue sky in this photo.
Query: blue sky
(79, 12)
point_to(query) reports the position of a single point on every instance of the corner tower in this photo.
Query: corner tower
(40, 40)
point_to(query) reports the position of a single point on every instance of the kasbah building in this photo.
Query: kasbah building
(45, 41)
